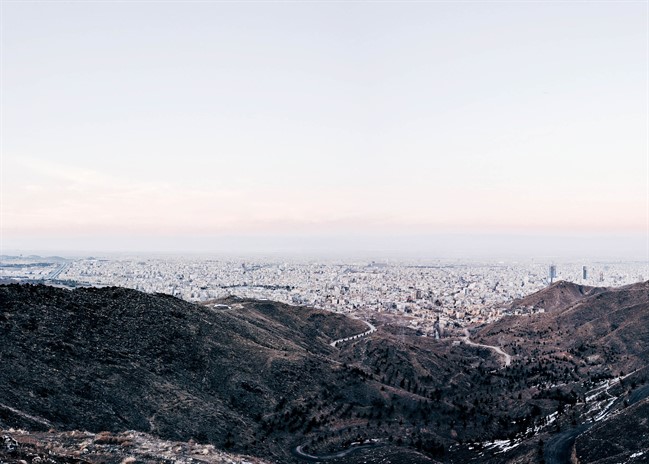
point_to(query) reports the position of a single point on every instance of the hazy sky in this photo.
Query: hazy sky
(147, 124)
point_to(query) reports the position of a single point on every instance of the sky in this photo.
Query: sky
(270, 126)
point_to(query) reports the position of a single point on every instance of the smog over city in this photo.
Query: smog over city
(284, 232)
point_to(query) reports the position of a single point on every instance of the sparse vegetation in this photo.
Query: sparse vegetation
(262, 379)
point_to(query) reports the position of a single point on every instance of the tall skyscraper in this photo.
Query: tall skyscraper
(553, 272)
(584, 272)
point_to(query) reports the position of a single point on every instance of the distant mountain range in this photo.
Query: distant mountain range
(261, 378)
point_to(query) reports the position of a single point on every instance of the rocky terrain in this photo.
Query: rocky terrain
(622, 438)
(589, 351)
(557, 296)
(74, 447)
(261, 378)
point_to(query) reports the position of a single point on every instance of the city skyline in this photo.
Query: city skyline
(163, 126)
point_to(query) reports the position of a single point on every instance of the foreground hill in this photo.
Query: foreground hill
(261, 378)
(116, 359)
(590, 353)
(622, 438)
(243, 375)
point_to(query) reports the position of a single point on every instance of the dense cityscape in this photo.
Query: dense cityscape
(428, 296)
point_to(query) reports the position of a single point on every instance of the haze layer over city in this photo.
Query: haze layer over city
(388, 132)
(451, 129)
(227, 135)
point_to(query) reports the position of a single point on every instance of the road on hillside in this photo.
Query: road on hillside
(371, 330)
(506, 357)
(300, 453)
(559, 446)
(639, 394)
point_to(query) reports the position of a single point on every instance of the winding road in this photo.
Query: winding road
(506, 357)
(300, 453)
(559, 447)
(371, 330)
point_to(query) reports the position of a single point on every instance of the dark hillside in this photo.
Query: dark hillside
(260, 378)
(623, 438)
(116, 359)
(256, 377)
(605, 329)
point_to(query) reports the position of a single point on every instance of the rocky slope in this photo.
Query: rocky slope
(590, 353)
(602, 331)
(75, 447)
(250, 376)
(260, 378)
(622, 438)
(115, 359)
(557, 296)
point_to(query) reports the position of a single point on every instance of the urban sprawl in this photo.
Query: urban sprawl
(431, 297)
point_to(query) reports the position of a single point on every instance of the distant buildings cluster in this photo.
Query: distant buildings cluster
(429, 297)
